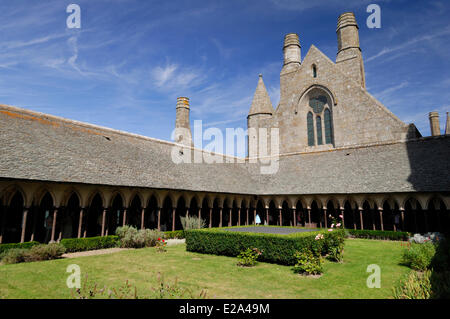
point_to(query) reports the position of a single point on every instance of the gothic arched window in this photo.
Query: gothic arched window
(328, 129)
(310, 126)
(320, 112)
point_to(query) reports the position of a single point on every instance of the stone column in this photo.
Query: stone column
(267, 216)
(372, 213)
(158, 210)
(380, 211)
(402, 216)
(103, 221)
(174, 211)
(55, 214)
(280, 216)
(187, 211)
(34, 213)
(246, 216)
(210, 217)
(80, 222)
(124, 221)
(353, 214)
(361, 219)
(341, 211)
(24, 223)
(325, 217)
(230, 217)
(199, 216)
(294, 217)
(143, 218)
(239, 216)
(220, 216)
(309, 216)
(254, 216)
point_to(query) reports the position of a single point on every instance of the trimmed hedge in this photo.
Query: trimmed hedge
(90, 243)
(379, 234)
(27, 245)
(279, 249)
(174, 234)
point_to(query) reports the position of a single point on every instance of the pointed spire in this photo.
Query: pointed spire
(447, 126)
(261, 101)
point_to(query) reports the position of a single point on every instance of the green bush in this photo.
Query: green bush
(419, 256)
(35, 253)
(378, 234)
(90, 243)
(5, 247)
(45, 252)
(130, 237)
(278, 249)
(248, 257)
(308, 263)
(415, 285)
(14, 256)
(174, 234)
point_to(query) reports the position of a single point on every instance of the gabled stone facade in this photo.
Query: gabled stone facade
(356, 117)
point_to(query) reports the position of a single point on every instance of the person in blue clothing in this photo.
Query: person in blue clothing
(257, 220)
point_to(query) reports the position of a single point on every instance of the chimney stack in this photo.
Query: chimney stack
(291, 49)
(434, 123)
(183, 133)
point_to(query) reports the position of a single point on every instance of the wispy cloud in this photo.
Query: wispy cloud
(408, 44)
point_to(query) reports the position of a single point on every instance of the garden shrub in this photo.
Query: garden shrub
(192, 222)
(130, 237)
(161, 245)
(35, 253)
(13, 256)
(45, 252)
(308, 263)
(90, 243)
(415, 285)
(419, 256)
(378, 234)
(5, 247)
(248, 257)
(278, 249)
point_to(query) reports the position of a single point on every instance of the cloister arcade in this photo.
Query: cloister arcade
(47, 212)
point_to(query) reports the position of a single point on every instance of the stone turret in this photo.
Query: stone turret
(349, 57)
(260, 111)
(183, 133)
(291, 59)
(434, 123)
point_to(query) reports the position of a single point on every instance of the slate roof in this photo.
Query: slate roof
(36, 146)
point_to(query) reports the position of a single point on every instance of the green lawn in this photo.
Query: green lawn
(218, 274)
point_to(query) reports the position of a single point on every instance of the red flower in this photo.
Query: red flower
(163, 240)
(159, 238)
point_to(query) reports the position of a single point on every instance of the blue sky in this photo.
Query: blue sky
(130, 60)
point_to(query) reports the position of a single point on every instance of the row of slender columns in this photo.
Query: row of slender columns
(104, 229)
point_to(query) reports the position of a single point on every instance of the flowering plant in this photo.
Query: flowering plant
(161, 245)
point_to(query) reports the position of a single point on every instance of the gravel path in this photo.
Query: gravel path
(170, 242)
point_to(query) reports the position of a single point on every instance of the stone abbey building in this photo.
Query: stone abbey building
(341, 152)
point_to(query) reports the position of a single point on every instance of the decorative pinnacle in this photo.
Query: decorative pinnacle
(346, 19)
(291, 39)
(183, 102)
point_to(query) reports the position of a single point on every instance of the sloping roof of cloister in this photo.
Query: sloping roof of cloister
(36, 146)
